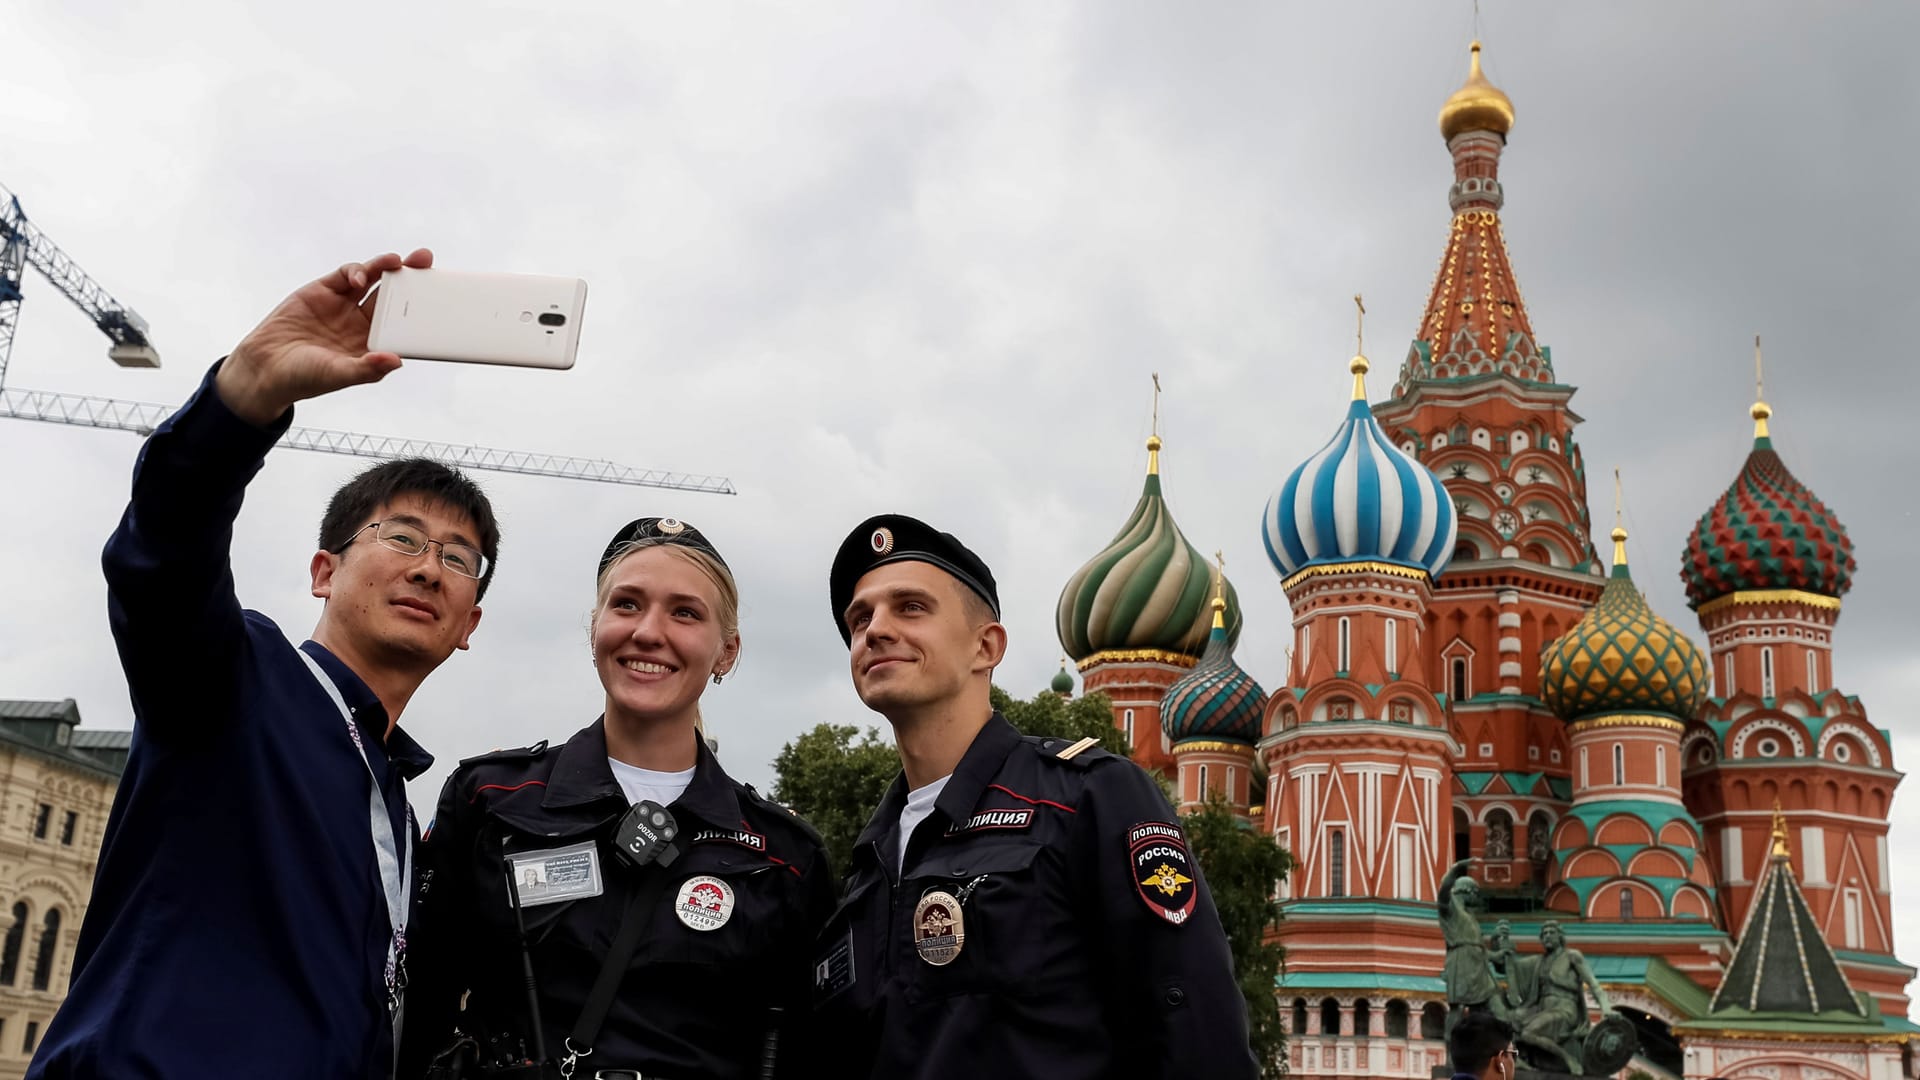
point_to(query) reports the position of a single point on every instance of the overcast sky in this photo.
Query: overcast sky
(883, 257)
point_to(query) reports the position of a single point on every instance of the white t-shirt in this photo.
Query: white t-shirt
(919, 805)
(643, 784)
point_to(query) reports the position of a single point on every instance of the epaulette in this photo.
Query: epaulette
(787, 813)
(1083, 754)
(518, 753)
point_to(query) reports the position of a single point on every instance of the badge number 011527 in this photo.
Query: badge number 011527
(1162, 870)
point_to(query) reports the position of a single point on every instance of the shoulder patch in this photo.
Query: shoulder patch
(1162, 868)
(1083, 754)
(521, 753)
(785, 814)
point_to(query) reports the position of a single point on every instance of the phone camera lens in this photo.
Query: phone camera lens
(552, 318)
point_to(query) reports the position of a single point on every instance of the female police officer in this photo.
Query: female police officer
(618, 906)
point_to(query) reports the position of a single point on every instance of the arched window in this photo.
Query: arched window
(1306, 647)
(1299, 1017)
(1499, 835)
(10, 958)
(1363, 1018)
(1457, 687)
(1660, 767)
(1329, 1017)
(1619, 764)
(1396, 1019)
(1813, 673)
(1337, 863)
(1729, 690)
(1201, 796)
(1462, 835)
(1766, 671)
(1433, 1020)
(1458, 435)
(1126, 725)
(49, 938)
(1346, 644)
(1626, 904)
(1393, 646)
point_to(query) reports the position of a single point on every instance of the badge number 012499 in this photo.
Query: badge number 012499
(1162, 870)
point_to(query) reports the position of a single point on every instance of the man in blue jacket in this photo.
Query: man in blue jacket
(249, 913)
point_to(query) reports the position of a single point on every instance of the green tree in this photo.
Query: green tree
(1051, 716)
(1241, 865)
(835, 783)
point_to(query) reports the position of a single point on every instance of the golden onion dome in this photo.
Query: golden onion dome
(1476, 106)
(1621, 657)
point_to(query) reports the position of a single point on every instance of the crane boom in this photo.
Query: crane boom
(22, 242)
(142, 417)
(23, 245)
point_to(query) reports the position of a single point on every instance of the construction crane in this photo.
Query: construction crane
(22, 244)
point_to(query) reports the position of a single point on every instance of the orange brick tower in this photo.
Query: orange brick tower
(1477, 402)
(1765, 569)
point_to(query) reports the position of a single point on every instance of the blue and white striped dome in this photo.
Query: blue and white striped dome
(1360, 499)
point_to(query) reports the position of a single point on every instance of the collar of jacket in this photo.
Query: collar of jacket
(581, 775)
(978, 766)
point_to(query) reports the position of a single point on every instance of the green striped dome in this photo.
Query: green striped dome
(1149, 589)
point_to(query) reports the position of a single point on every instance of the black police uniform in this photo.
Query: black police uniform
(1049, 919)
(693, 1002)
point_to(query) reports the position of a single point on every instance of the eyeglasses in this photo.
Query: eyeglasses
(408, 539)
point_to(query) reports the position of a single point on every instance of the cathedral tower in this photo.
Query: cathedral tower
(1477, 401)
(1136, 617)
(1765, 569)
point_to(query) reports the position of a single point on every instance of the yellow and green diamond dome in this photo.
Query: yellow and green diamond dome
(1621, 657)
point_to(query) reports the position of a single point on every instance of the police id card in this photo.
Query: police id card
(556, 874)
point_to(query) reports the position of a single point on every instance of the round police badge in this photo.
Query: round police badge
(704, 903)
(939, 928)
(671, 526)
(882, 541)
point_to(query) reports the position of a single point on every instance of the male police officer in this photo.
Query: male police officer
(249, 915)
(1019, 905)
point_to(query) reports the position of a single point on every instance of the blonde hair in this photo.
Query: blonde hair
(726, 611)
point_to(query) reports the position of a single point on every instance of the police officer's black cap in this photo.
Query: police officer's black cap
(662, 530)
(892, 538)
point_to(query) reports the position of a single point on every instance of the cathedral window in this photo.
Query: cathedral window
(1462, 835)
(1393, 642)
(1619, 764)
(1202, 796)
(1126, 725)
(1766, 671)
(1337, 863)
(1853, 912)
(1728, 690)
(1346, 645)
(1626, 904)
(1457, 687)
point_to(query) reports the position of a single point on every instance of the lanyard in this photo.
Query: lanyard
(395, 870)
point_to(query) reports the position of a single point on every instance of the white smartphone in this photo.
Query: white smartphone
(517, 319)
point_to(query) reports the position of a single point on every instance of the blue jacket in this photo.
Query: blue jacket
(237, 925)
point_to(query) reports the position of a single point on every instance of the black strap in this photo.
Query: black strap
(653, 882)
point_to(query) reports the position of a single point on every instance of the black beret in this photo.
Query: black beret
(660, 530)
(892, 538)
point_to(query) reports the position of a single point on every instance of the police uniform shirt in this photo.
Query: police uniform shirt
(728, 924)
(1049, 921)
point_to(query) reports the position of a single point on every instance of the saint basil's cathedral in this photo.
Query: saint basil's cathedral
(1470, 678)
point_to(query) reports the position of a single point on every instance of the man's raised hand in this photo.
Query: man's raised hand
(314, 343)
